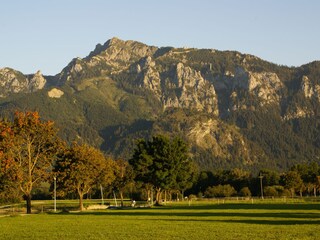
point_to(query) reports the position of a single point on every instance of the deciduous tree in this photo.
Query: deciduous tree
(162, 162)
(123, 176)
(29, 145)
(81, 167)
(293, 182)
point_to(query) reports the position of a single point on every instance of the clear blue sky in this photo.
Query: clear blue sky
(46, 34)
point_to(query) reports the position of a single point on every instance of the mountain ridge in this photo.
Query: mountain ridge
(234, 109)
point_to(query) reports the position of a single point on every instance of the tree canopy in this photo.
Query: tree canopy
(162, 162)
(28, 147)
(123, 176)
(80, 167)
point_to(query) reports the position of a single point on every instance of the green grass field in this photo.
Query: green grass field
(200, 220)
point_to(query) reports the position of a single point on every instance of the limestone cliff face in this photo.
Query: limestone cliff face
(182, 87)
(192, 91)
(148, 76)
(309, 89)
(37, 82)
(12, 81)
(265, 86)
(55, 93)
(295, 112)
(219, 139)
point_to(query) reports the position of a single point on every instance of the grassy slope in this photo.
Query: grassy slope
(224, 221)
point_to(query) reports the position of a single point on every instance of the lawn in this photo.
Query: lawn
(200, 220)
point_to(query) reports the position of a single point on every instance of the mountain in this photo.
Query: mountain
(234, 109)
(13, 81)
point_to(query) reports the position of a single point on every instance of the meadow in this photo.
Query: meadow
(195, 220)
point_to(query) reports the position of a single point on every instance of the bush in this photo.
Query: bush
(276, 191)
(192, 197)
(245, 192)
(200, 195)
(285, 193)
(220, 191)
(270, 191)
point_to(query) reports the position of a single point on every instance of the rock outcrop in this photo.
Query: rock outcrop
(265, 86)
(219, 139)
(55, 93)
(113, 57)
(12, 81)
(37, 82)
(309, 89)
(191, 90)
(181, 87)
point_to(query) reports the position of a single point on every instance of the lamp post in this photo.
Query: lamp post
(55, 194)
(101, 189)
(261, 188)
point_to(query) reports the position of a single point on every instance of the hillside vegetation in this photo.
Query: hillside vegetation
(234, 109)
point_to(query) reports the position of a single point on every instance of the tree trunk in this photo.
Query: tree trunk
(28, 200)
(80, 202)
(158, 196)
(315, 191)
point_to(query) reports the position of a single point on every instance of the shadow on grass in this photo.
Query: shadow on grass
(213, 213)
(253, 221)
(249, 206)
(202, 214)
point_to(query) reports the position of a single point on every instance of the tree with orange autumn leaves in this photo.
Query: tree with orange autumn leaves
(28, 147)
(81, 167)
(31, 153)
(8, 176)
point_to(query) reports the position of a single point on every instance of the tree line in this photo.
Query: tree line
(299, 180)
(32, 154)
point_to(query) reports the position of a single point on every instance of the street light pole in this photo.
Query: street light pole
(261, 188)
(55, 194)
(101, 189)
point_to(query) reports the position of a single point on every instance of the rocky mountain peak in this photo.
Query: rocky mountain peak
(112, 57)
(12, 81)
(37, 82)
(103, 47)
(114, 41)
(116, 48)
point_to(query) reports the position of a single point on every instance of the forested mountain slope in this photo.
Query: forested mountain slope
(234, 109)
